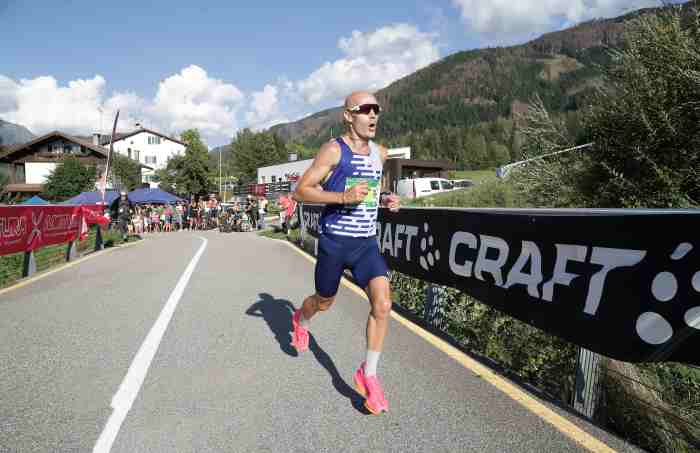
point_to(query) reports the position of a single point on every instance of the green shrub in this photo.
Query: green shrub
(494, 193)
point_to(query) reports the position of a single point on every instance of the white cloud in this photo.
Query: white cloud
(189, 99)
(265, 109)
(192, 99)
(42, 105)
(372, 61)
(511, 18)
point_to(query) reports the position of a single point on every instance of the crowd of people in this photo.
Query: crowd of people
(202, 214)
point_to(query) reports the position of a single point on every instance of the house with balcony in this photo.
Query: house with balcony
(146, 146)
(27, 165)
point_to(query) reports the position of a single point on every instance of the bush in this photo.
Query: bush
(490, 193)
(645, 121)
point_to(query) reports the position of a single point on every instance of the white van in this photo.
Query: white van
(422, 187)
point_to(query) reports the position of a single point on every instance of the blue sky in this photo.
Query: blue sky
(227, 65)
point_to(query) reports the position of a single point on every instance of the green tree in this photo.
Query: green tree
(69, 178)
(167, 177)
(126, 173)
(645, 121)
(252, 150)
(192, 169)
(498, 154)
(476, 153)
(302, 152)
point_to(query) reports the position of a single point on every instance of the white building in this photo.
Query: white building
(147, 147)
(282, 172)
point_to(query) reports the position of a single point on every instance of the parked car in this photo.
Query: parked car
(462, 183)
(422, 187)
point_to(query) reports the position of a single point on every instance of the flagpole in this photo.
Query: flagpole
(109, 159)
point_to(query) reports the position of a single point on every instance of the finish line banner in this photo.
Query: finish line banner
(27, 228)
(623, 283)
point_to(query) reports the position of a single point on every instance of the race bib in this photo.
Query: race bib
(370, 199)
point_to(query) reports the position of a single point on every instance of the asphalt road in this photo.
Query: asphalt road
(113, 354)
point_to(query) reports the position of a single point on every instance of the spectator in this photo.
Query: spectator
(124, 215)
(252, 211)
(262, 212)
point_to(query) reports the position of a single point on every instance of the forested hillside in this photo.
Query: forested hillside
(462, 107)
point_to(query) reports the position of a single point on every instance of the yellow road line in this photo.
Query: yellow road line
(569, 429)
(65, 266)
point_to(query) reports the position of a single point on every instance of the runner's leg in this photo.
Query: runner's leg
(379, 293)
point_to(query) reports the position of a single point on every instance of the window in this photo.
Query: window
(274, 178)
(435, 185)
(151, 160)
(446, 185)
(56, 148)
(136, 154)
(129, 153)
(153, 140)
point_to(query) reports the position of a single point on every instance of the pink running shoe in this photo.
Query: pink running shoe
(371, 389)
(300, 335)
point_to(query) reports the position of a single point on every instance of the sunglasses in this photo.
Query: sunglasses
(364, 109)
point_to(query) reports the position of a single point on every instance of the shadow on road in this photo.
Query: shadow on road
(338, 382)
(277, 313)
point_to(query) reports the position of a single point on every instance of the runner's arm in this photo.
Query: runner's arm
(309, 187)
(383, 153)
(388, 199)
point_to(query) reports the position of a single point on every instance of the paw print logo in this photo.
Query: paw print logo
(428, 256)
(651, 326)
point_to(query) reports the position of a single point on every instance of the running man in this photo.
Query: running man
(345, 176)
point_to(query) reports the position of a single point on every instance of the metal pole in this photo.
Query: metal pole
(29, 264)
(501, 172)
(220, 153)
(587, 385)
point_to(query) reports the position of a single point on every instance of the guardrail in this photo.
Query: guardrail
(619, 283)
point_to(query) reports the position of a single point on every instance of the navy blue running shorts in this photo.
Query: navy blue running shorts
(336, 253)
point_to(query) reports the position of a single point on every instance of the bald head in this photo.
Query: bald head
(359, 97)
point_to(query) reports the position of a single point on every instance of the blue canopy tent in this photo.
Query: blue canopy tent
(157, 196)
(94, 197)
(36, 199)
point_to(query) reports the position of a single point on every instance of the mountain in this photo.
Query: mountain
(478, 87)
(11, 134)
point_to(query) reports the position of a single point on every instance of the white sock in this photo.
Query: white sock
(371, 363)
(303, 322)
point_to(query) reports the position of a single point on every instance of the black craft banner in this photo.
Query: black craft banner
(623, 283)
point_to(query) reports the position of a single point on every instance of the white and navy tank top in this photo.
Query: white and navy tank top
(354, 220)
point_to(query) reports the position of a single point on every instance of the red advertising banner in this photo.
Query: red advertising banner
(258, 189)
(27, 228)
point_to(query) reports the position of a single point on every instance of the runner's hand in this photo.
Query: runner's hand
(356, 193)
(393, 202)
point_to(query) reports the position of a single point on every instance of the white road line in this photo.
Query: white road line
(130, 386)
